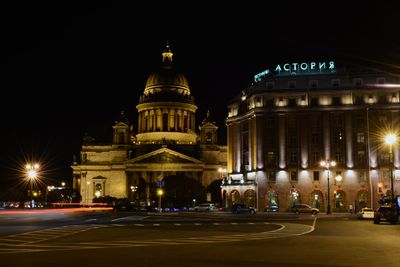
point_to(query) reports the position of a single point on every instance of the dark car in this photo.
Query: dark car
(304, 208)
(241, 208)
(387, 213)
(123, 204)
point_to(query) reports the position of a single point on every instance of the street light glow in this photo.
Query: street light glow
(32, 174)
(160, 192)
(390, 139)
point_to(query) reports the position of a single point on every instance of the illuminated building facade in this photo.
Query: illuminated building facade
(166, 151)
(297, 114)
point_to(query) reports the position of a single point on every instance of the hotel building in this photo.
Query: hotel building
(296, 115)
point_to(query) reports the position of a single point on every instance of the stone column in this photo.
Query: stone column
(326, 135)
(349, 139)
(282, 140)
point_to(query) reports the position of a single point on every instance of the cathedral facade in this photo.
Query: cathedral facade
(166, 152)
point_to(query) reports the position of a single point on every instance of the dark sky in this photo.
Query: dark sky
(70, 69)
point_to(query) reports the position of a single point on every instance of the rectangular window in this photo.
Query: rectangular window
(360, 138)
(270, 158)
(361, 157)
(315, 139)
(293, 175)
(272, 177)
(314, 101)
(336, 100)
(258, 101)
(358, 82)
(380, 80)
(362, 177)
(315, 157)
(384, 158)
(293, 158)
(335, 82)
(313, 83)
(386, 175)
(339, 156)
(316, 176)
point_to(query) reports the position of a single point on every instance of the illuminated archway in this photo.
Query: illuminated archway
(293, 198)
(235, 197)
(339, 199)
(362, 199)
(272, 203)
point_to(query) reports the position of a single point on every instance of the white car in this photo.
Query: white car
(205, 207)
(365, 213)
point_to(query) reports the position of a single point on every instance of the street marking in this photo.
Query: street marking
(15, 245)
(177, 224)
(138, 224)
(90, 220)
(197, 224)
(234, 223)
(156, 224)
(48, 234)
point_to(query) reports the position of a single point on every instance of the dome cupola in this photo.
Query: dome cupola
(167, 80)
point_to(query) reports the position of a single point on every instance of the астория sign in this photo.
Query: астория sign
(299, 68)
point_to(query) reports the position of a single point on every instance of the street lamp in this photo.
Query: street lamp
(160, 192)
(390, 139)
(327, 164)
(32, 174)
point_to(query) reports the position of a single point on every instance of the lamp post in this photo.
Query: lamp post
(32, 173)
(327, 164)
(390, 139)
(160, 192)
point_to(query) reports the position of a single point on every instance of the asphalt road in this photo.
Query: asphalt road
(129, 239)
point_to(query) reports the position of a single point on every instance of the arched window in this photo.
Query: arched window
(339, 198)
(362, 199)
(294, 198)
(317, 199)
(235, 197)
(250, 198)
(271, 201)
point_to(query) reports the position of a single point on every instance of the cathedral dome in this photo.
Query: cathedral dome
(167, 80)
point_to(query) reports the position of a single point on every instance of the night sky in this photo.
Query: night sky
(70, 69)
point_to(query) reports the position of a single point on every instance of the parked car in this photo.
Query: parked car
(304, 208)
(387, 213)
(241, 208)
(122, 204)
(365, 213)
(205, 207)
(272, 208)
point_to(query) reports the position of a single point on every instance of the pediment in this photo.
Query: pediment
(165, 155)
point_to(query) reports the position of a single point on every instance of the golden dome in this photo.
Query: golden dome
(167, 79)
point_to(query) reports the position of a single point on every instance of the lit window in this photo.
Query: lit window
(360, 138)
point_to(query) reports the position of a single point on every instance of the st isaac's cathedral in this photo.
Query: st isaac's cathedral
(166, 152)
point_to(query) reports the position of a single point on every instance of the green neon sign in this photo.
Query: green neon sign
(302, 68)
